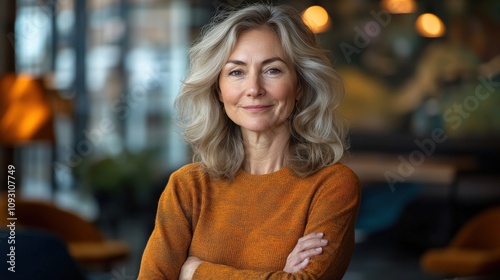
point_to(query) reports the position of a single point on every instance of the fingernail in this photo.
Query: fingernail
(320, 234)
(319, 249)
(324, 241)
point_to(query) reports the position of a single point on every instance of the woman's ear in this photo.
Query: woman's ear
(299, 92)
(217, 91)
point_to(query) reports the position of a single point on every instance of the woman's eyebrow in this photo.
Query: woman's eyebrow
(264, 62)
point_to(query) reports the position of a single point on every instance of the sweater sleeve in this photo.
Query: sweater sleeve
(333, 211)
(168, 245)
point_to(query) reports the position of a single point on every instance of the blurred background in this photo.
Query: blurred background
(86, 120)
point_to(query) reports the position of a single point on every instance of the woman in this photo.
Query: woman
(266, 198)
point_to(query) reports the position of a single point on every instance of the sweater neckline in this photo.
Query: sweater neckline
(285, 171)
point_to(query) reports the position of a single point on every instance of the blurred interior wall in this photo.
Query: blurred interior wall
(7, 33)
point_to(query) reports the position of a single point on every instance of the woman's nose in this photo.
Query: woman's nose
(254, 86)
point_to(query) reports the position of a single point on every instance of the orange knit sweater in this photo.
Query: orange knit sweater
(245, 229)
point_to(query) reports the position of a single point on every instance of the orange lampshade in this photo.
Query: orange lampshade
(25, 112)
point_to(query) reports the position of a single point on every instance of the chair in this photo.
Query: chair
(85, 242)
(474, 251)
(39, 255)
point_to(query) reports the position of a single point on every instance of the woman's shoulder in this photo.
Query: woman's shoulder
(190, 171)
(339, 171)
(188, 179)
(338, 178)
(190, 168)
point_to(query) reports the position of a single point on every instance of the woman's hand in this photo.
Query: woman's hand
(188, 268)
(307, 246)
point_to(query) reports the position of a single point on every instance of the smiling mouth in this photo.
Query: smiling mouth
(256, 108)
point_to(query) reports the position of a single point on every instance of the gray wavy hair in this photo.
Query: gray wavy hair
(317, 131)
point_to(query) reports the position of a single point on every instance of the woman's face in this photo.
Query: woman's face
(257, 85)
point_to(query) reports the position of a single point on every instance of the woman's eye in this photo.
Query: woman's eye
(235, 73)
(274, 71)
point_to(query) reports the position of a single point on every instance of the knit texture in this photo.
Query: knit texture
(245, 229)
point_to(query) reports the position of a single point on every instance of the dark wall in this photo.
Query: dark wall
(7, 35)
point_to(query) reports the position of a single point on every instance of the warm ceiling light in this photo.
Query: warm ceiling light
(316, 18)
(399, 6)
(429, 25)
(25, 113)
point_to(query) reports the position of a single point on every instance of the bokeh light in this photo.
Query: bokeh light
(430, 25)
(316, 18)
(399, 6)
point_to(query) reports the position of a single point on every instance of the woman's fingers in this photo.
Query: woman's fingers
(302, 265)
(310, 242)
(313, 235)
(189, 267)
(307, 246)
(298, 257)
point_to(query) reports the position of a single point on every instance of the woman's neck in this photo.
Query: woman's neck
(265, 152)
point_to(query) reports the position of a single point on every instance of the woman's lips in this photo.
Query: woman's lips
(256, 108)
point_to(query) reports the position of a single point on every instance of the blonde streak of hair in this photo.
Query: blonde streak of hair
(197, 100)
(319, 122)
(224, 164)
(317, 115)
